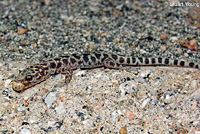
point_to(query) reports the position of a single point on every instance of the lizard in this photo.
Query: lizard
(37, 73)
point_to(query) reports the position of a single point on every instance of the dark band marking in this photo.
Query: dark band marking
(133, 60)
(146, 61)
(121, 60)
(85, 58)
(166, 61)
(182, 63)
(76, 56)
(140, 59)
(128, 60)
(59, 64)
(57, 59)
(65, 61)
(175, 62)
(52, 65)
(197, 66)
(159, 60)
(112, 64)
(118, 65)
(80, 62)
(93, 59)
(98, 56)
(153, 61)
(72, 60)
(30, 67)
(105, 55)
(114, 56)
(191, 64)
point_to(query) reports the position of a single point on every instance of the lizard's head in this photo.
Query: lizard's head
(29, 77)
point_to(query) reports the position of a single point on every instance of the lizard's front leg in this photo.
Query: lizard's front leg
(68, 74)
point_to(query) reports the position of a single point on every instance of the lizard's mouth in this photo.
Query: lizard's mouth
(18, 86)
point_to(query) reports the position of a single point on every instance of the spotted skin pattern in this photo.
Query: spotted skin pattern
(37, 73)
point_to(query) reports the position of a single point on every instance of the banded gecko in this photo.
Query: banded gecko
(35, 74)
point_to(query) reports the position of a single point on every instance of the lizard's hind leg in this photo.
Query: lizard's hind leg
(111, 63)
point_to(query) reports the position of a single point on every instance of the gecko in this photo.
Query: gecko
(37, 73)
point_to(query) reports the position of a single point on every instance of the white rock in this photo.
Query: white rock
(169, 97)
(21, 109)
(25, 131)
(81, 72)
(194, 84)
(6, 104)
(145, 102)
(196, 95)
(142, 51)
(50, 99)
(173, 39)
(60, 108)
(122, 99)
(197, 132)
(129, 87)
(113, 116)
(7, 83)
(144, 73)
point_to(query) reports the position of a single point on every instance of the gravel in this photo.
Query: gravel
(135, 100)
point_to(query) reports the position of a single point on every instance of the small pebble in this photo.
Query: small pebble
(123, 130)
(197, 132)
(116, 40)
(7, 83)
(130, 114)
(34, 45)
(94, 81)
(145, 102)
(25, 131)
(196, 95)
(114, 81)
(144, 73)
(21, 30)
(186, 54)
(183, 43)
(50, 99)
(23, 43)
(47, 2)
(193, 45)
(113, 116)
(173, 39)
(169, 97)
(142, 51)
(81, 72)
(164, 36)
(60, 109)
(163, 48)
(128, 87)
(194, 84)
(22, 108)
(122, 99)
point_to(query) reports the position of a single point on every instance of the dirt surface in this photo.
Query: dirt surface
(133, 100)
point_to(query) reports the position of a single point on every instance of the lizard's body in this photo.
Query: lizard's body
(37, 73)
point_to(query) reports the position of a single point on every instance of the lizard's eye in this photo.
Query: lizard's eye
(28, 78)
